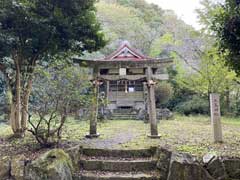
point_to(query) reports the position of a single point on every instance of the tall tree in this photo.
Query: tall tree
(212, 76)
(33, 31)
(223, 21)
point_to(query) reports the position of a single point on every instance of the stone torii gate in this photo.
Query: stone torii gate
(127, 64)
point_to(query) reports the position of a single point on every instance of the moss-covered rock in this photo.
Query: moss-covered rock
(232, 167)
(164, 158)
(18, 167)
(53, 165)
(216, 169)
(75, 154)
(185, 167)
(4, 167)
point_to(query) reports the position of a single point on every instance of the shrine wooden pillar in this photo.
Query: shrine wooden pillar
(94, 110)
(152, 105)
(108, 90)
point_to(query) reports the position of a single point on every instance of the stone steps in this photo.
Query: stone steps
(124, 116)
(125, 113)
(139, 153)
(100, 164)
(99, 175)
(118, 165)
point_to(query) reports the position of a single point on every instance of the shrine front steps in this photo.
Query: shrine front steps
(126, 116)
(100, 164)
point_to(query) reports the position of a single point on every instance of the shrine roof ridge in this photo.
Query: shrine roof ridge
(124, 54)
(165, 59)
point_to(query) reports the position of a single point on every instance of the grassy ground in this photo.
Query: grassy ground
(186, 134)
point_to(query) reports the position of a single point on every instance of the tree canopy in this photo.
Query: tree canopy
(33, 31)
(223, 21)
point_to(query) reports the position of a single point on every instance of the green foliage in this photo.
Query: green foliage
(58, 91)
(5, 130)
(223, 20)
(163, 93)
(159, 44)
(122, 23)
(192, 149)
(154, 31)
(195, 105)
(212, 76)
(32, 32)
(40, 27)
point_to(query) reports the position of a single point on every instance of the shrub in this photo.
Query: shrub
(195, 105)
(57, 92)
(163, 93)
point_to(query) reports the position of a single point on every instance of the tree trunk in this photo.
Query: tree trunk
(25, 104)
(20, 102)
(16, 105)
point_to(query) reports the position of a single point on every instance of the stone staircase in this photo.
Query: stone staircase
(120, 116)
(100, 164)
(124, 114)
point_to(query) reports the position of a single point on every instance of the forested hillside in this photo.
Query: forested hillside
(155, 31)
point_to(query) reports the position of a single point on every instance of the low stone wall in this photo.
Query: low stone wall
(56, 164)
(181, 166)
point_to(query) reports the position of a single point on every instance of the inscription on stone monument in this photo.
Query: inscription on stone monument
(216, 117)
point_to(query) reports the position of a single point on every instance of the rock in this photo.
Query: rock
(53, 165)
(18, 167)
(104, 114)
(207, 158)
(232, 167)
(107, 114)
(164, 114)
(185, 167)
(5, 167)
(141, 114)
(75, 154)
(164, 158)
(216, 169)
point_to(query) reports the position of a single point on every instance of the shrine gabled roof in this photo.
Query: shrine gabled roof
(126, 53)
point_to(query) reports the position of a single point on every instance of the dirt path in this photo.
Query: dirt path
(111, 143)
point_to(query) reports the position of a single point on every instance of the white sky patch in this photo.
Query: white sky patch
(185, 9)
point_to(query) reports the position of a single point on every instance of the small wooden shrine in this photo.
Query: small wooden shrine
(127, 79)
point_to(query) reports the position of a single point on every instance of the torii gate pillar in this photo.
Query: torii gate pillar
(94, 110)
(152, 105)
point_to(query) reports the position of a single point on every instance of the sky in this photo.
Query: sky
(185, 9)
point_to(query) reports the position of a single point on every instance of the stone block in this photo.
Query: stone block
(5, 167)
(185, 167)
(232, 167)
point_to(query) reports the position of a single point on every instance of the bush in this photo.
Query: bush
(57, 92)
(195, 105)
(163, 93)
